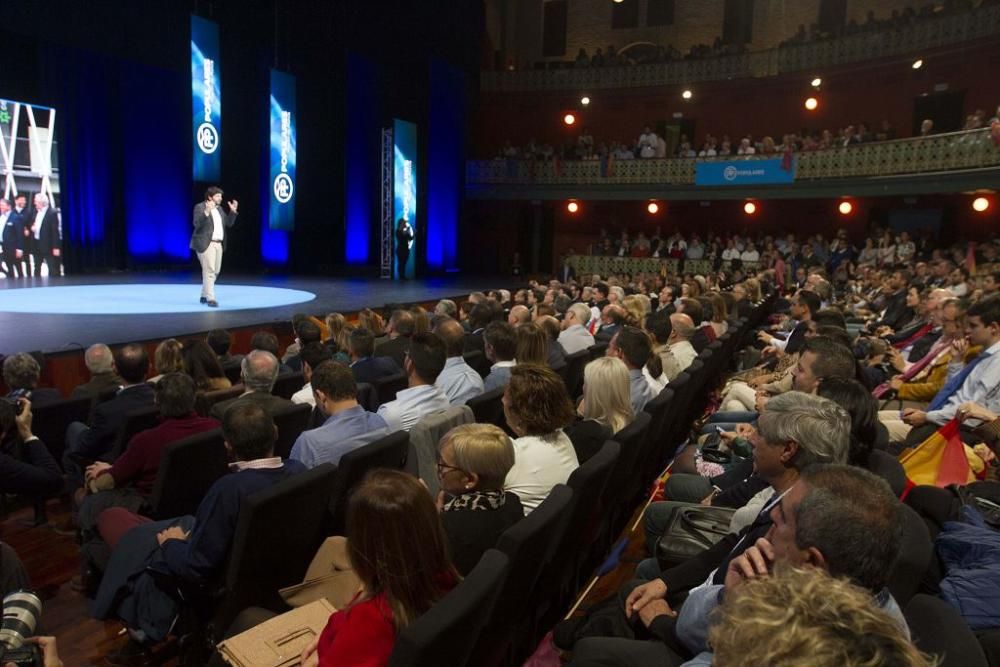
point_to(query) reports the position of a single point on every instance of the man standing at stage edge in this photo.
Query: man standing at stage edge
(209, 239)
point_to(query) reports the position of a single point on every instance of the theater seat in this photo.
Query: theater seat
(387, 452)
(188, 468)
(488, 408)
(290, 422)
(446, 634)
(937, 628)
(424, 437)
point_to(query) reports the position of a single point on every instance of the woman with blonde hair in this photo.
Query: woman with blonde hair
(637, 309)
(168, 358)
(338, 340)
(421, 320)
(473, 462)
(606, 407)
(369, 319)
(532, 344)
(752, 286)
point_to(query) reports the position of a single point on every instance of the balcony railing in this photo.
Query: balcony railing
(970, 149)
(920, 35)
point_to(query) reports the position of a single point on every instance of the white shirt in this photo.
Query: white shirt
(411, 404)
(459, 381)
(685, 353)
(36, 228)
(305, 395)
(750, 256)
(575, 338)
(540, 462)
(730, 254)
(217, 233)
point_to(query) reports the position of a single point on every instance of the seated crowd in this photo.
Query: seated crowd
(798, 458)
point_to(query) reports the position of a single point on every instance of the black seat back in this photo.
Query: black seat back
(286, 385)
(488, 408)
(367, 397)
(446, 633)
(937, 628)
(478, 361)
(915, 555)
(290, 422)
(49, 421)
(387, 387)
(188, 468)
(598, 349)
(135, 422)
(575, 364)
(387, 452)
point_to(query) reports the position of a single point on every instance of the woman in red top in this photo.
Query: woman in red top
(398, 549)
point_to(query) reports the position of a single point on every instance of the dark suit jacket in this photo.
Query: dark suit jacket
(395, 348)
(700, 340)
(203, 226)
(271, 403)
(474, 342)
(109, 417)
(97, 384)
(797, 338)
(48, 234)
(897, 314)
(606, 332)
(923, 346)
(12, 232)
(370, 369)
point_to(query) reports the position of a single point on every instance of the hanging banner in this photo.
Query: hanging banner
(744, 172)
(282, 114)
(206, 100)
(404, 196)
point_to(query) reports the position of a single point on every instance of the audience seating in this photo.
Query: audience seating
(937, 628)
(575, 364)
(446, 634)
(915, 556)
(277, 535)
(488, 408)
(187, 470)
(387, 452)
(290, 422)
(286, 385)
(210, 398)
(367, 397)
(386, 388)
(135, 422)
(648, 462)
(49, 422)
(424, 438)
(529, 545)
(598, 349)
(478, 361)
(234, 373)
(624, 481)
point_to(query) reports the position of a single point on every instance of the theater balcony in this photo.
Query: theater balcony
(951, 162)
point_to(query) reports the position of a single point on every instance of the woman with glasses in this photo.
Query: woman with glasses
(473, 461)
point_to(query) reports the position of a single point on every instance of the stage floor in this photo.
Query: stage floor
(70, 313)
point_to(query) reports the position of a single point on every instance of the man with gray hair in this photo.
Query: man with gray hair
(682, 330)
(574, 336)
(259, 371)
(21, 373)
(447, 308)
(103, 377)
(44, 230)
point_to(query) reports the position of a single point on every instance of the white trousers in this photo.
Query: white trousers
(211, 265)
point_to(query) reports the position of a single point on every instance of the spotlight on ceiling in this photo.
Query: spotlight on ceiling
(917, 64)
(584, 100)
(817, 82)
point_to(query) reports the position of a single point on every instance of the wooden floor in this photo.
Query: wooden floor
(52, 560)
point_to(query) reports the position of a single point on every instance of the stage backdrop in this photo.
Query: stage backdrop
(206, 100)
(281, 182)
(404, 184)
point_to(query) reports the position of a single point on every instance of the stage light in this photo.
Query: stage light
(918, 63)
(812, 103)
(845, 208)
(686, 94)
(572, 207)
(569, 119)
(653, 207)
(980, 204)
(584, 100)
(817, 82)
(749, 208)
(618, 2)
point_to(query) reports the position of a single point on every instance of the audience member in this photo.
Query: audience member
(306, 332)
(202, 364)
(221, 342)
(660, 328)
(267, 342)
(312, 355)
(500, 340)
(339, 330)
(679, 340)
(26, 466)
(260, 371)
(605, 409)
(575, 336)
(424, 361)
(364, 365)
(167, 358)
(473, 462)
(537, 409)
(457, 380)
(103, 378)
(347, 425)
(399, 330)
(532, 344)
(632, 346)
(519, 315)
(21, 373)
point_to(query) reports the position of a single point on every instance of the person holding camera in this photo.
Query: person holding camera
(26, 466)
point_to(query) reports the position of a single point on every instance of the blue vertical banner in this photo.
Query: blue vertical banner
(404, 187)
(282, 114)
(206, 100)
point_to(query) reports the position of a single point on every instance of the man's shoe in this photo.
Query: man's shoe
(213, 304)
(204, 300)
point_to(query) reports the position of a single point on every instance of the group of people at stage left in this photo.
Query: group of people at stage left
(30, 237)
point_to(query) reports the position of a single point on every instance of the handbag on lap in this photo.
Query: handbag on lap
(692, 530)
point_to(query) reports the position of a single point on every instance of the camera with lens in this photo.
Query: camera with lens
(21, 610)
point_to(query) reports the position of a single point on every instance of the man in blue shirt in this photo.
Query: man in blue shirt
(347, 426)
(458, 380)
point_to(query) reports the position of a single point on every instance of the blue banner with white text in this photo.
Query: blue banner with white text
(744, 172)
(404, 196)
(206, 100)
(282, 114)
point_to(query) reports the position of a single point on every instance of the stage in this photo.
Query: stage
(70, 313)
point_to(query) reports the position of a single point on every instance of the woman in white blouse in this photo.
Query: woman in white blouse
(537, 408)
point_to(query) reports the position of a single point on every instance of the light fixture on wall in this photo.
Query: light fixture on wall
(572, 206)
(917, 64)
(817, 82)
(584, 100)
(569, 118)
(687, 94)
(653, 208)
(845, 208)
(811, 103)
(750, 208)
(980, 204)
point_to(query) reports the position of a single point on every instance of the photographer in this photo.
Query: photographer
(50, 652)
(26, 466)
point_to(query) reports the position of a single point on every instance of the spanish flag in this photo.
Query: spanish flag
(939, 460)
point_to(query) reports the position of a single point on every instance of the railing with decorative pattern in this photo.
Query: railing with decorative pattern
(920, 35)
(607, 265)
(940, 152)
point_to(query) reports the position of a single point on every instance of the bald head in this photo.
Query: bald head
(453, 335)
(260, 370)
(98, 358)
(683, 327)
(519, 315)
